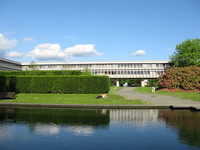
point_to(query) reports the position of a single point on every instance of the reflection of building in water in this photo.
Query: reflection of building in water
(138, 116)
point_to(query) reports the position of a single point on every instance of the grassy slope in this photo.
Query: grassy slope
(195, 96)
(74, 99)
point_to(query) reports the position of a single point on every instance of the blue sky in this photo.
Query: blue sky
(95, 30)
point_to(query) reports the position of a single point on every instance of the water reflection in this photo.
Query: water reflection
(47, 121)
(141, 117)
(186, 122)
(54, 116)
(85, 122)
(6, 133)
(46, 129)
(81, 130)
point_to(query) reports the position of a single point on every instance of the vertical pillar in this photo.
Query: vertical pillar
(142, 83)
(117, 83)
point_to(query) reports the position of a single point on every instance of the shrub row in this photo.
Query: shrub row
(7, 83)
(37, 72)
(56, 84)
(187, 78)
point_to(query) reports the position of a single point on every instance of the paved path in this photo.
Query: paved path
(157, 100)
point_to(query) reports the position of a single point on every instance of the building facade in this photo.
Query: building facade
(114, 69)
(9, 65)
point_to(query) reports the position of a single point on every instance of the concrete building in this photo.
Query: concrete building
(116, 70)
(9, 65)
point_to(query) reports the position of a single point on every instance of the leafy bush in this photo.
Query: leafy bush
(152, 82)
(187, 78)
(56, 84)
(133, 82)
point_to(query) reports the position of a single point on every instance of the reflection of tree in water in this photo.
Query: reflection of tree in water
(7, 115)
(187, 122)
(47, 120)
(56, 116)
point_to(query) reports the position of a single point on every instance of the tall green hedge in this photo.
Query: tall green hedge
(39, 72)
(56, 84)
(7, 83)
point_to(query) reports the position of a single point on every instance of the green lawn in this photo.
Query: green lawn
(74, 99)
(195, 96)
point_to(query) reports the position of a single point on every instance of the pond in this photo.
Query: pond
(89, 129)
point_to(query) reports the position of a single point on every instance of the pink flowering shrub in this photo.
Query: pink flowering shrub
(187, 78)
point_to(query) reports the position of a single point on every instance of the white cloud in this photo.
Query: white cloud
(54, 52)
(139, 53)
(28, 39)
(6, 133)
(82, 51)
(6, 44)
(47, 52)
(14, 55)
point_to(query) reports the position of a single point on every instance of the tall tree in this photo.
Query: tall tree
(33, 66)
(187, 53)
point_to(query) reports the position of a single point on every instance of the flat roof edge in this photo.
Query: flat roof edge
(96, 62)
(11, 61)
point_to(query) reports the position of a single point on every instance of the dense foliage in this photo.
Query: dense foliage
(133, 82)
(37, 72)
(187, 78)
(7, 83)
(152, 82)
(187, 53)
(55, 84)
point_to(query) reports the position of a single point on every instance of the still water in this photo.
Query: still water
(90, 129)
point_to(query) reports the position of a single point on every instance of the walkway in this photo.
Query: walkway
(158, 100)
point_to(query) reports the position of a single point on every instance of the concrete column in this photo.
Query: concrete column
(117, 83)
(144, 82)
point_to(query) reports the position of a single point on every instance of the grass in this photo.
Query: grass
(74, 99)
(195, 96)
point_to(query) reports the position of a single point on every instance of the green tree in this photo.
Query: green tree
(33, 66)
(87, 71)
(187, 53)
(65, 66)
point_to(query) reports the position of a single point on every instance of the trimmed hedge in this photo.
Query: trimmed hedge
(7, 83)
(56, 84)
(187, 78)
(45, 73)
